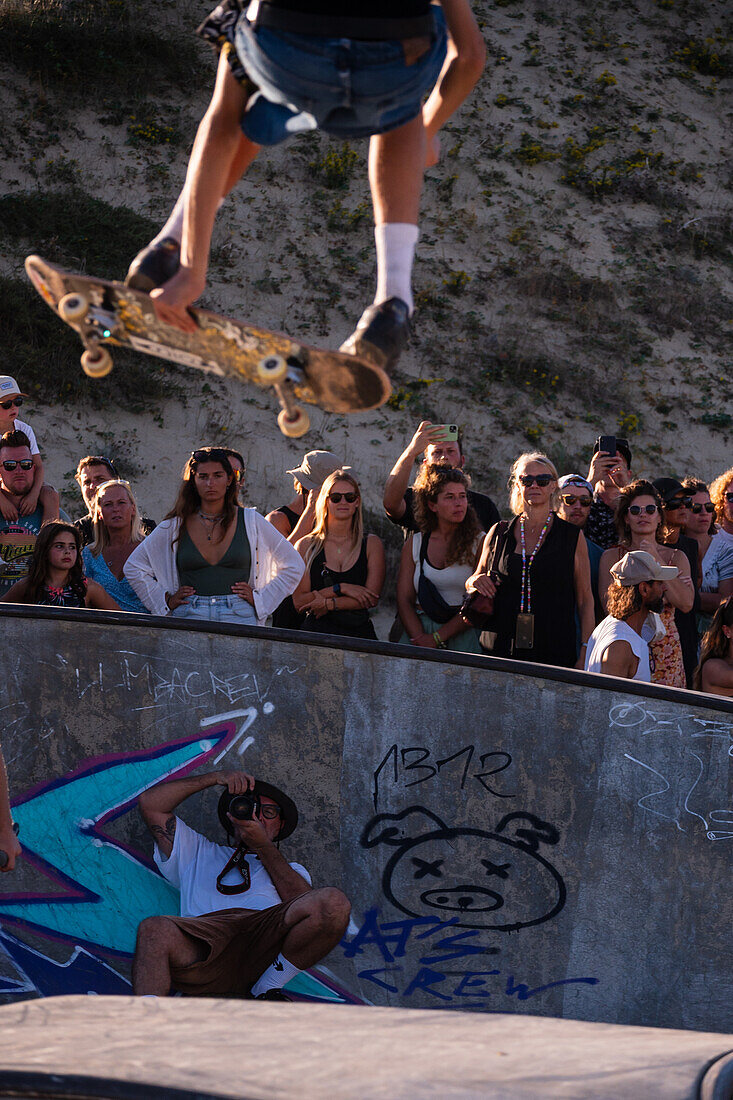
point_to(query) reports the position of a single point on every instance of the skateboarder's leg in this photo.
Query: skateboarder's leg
(160, 259)
(396, 164)
(214, 150)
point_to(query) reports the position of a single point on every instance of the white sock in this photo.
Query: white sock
(174, 226)
(395, 252)
(276, 976)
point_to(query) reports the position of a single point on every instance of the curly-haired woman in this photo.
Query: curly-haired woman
(639, 512)
(714, 674)
(436, 562)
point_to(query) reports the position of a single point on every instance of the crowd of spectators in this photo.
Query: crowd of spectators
(598, 570)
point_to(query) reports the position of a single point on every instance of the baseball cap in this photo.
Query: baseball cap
(575, 479)
(9, 387)
(668, 487)
(638, 566)
(315, 468)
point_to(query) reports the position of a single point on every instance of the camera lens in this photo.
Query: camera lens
(243, 806)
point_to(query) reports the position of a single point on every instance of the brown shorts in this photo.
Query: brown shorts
(240, 944)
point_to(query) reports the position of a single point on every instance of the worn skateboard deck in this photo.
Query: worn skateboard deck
(109, 313)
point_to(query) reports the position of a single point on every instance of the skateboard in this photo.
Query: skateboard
(108, 313)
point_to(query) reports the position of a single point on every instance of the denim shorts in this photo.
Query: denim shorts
(344, 87)
(217, 609)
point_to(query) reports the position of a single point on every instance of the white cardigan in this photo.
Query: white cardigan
(276, 566)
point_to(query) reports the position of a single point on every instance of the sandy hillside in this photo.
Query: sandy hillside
(573, 275)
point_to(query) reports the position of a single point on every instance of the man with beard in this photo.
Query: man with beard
(617, 646)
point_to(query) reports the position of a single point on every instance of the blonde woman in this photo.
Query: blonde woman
(344, 568)
(117, 531)
(537, 570)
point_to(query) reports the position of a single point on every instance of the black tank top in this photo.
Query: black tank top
(353, 624)
(553, 596)
(379, 20)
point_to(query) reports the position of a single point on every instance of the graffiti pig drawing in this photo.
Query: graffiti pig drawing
(496, 880)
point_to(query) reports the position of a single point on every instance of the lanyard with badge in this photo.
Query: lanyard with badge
(524, 635)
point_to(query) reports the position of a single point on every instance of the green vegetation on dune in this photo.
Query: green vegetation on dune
(94, 48)
(71, 228)
(46, 354)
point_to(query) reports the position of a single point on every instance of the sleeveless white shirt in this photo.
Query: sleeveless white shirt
(615, 630)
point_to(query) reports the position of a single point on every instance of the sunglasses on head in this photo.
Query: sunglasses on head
(348, 497)
(637, 509)
(209, 454)
(584, 502)
(729, 498)
(10, 463)
(677, 502)
(17, 401)
(529, 479)
(708, 507)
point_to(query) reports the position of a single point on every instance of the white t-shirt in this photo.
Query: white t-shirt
(193, 867)
(615, 630)
(26, 429)
(717, 565)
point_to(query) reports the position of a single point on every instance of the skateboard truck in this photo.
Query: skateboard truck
(96, 361)
(292, 420)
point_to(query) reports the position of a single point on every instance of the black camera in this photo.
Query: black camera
(243, 807)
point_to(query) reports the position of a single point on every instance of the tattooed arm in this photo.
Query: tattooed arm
(158, 803)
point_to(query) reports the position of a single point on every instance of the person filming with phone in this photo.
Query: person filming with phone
(442, 446)
(250, 921)
(609, 473)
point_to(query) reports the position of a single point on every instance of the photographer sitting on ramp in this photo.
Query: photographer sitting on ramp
(249, 919)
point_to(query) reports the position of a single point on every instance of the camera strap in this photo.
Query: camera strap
(238, 860)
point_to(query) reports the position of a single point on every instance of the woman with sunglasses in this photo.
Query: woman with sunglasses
(116, 532)
(717, 566)
(210, 558)
(436, 562)
(701, 526)
(639, 525)
(536, 569)
(344, 568)
(714, 674)
(56, 576)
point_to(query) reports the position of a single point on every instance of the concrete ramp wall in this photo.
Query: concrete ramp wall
(511, 841)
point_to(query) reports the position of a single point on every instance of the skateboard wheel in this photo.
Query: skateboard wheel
(97, 363)
(272, 370)
(293, 426)
(73, 308)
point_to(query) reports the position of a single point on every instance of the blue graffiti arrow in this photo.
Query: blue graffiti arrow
(103, 889)
(81, 973)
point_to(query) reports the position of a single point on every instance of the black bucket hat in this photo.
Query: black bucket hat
(288, 809)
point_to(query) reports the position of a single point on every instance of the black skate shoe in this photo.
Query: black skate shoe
(381, 333)
(154, 265)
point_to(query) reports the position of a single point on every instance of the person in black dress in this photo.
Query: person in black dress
(538, 572)
(345, 568)
(296, 519)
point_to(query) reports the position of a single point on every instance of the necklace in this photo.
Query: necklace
(526, 604)
(213, 520)
(339, 549)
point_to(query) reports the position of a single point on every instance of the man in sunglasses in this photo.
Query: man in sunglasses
(18, 536)
(576, 499)
(93, 471)
(676, 501)
(617, 647)
(250, 921)
(11, 401)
